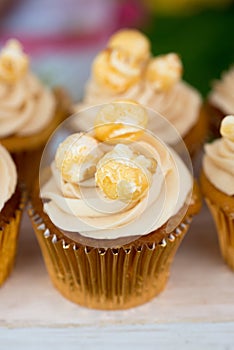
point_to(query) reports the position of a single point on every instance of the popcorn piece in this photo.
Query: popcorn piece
(120, 120)
(115, 70)
(77, 156)
(13, 62)
(120, 65)
(124, 175)
(227, 127)
(164, 71)
(132, 42)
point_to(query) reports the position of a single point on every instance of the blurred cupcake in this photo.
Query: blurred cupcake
(217, 182)
(125, 69)
(112, 210)
(221, 100)
(29, 111)
(11, 205)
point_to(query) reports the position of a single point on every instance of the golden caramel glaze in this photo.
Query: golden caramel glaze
(120, 120)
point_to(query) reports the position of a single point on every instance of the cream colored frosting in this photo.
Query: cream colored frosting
(218, 162)
(222, 94)
(83, 208)
(26, 105)
(8, 176)
(180, 104)
(154, 82)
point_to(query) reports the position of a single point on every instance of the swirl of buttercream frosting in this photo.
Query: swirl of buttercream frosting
(83, 208)
(180, 105)
(222, 94)
(127, 70)
(8, 176)
(26, 105)
(218, 162)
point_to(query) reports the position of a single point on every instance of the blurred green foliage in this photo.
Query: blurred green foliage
(205, 42)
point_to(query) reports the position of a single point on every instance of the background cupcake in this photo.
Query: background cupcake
(221, 100)
(217, 182)
(126, 69)
(29, 111)
(11, 205)
(113, 213)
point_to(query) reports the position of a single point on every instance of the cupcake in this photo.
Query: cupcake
(221, 100)
(126, 69)
(29, 110)
(11, 205)
(217, 181)
(111, 210)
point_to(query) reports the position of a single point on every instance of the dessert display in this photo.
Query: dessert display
(217, 181)
(221, 100)
(115, 194)
(126, 69)
(29, 110)
(11, 204)
(113, 205)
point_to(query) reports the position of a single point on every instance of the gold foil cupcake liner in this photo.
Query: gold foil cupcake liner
(225, 228)
(8, 240)
(107, 278)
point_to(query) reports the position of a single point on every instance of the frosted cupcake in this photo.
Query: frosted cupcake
(217, 182)
(29, 111)
(125, 69)
(11, 205)
(221, 100)
(112, 211)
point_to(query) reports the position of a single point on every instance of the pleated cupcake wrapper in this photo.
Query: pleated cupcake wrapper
(225, 228)
(9, 239)
(107, 278)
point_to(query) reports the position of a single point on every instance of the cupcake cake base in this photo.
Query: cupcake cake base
(195, 137)
(109, 278)
(215, 118)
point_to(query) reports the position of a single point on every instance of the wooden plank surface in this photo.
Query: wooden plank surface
(207, 336)
(200, 288)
